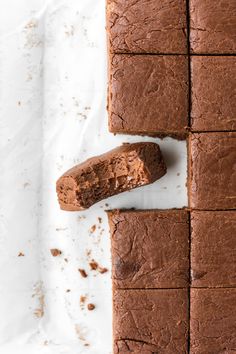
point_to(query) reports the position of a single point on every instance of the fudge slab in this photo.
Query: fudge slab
(213, 321)
(148, 95)
(150, 249)
(154, 26)
(213, 93)
(150, 321)
(213, 248)
(121, 169)
(212, 26)
(212, 171)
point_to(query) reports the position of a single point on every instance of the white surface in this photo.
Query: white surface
(52, 115)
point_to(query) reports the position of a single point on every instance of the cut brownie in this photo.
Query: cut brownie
(213, 248)
(148, 95)
(150, 321)
(212, 169)
(212, 26)
(154, 26)
(213, 321)
(124, 168)
(213, 93)
(150, 249)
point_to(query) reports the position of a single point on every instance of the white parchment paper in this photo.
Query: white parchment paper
(53, 83)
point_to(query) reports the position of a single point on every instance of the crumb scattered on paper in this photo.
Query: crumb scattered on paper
(91, 307)
(93, 228)
(55, 252)
(38, 292)
(21, 254)
(93, 265)
(83, 273)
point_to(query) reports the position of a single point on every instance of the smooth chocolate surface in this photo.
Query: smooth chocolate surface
(212, 171)
(121, 169)
(213, 248)
(213, 93)
(148, 94)
(213, 321)
(154, 26)
(150, 321)
(212, 26)
(150, 249)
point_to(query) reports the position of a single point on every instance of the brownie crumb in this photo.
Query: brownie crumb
(21, 254)
(91, 307)
(83, 273)
(93, 265)
(55, 252)
(99, 220)
(68, 290)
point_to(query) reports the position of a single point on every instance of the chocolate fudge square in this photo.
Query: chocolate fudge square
(213, 321)
(213, 248)
(150, 249)
(126, 167)
(150, 321)
(212, 26)
(213, 93)
(154, 26)
(148, 95)
(212, 171)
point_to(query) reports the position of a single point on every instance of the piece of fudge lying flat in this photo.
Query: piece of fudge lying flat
(124, 168)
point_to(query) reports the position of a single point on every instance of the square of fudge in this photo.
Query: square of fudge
(154, 26)
(213, 93)
(150, 249)
(150, 321)
(212, 171)
(148, 95)
(212, 321)
(212, 26)
(213, 248)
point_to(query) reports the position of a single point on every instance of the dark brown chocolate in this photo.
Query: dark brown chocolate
(154, 26)
(124, 168)
(213, 321)
(212, 26)
(213, 93)
(150, 249)
(150, 321)
(148, 95)
(212, 171)
(213, 248)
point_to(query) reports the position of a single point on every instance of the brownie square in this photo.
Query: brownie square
(212, 169)
(213, 321)
(213, 248)
(150, 321)
(150, 249)
(212, 26)
(148, 95)
(213, 93)
(154, 26)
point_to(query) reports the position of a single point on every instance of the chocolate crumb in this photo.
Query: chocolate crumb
(82, 299)
(66, 260)
(68, 290)
(83, 273)
(100, 220)
(21, 254)
(55, 252)
(92, 229)
(93, 265)
(102, 270)
(91, 307)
